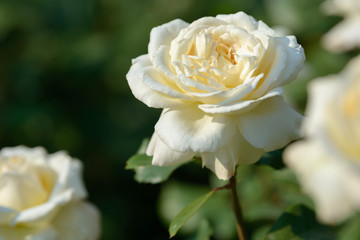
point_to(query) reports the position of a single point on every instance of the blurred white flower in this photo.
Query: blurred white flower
(219, 80)
(346, 35)
(42, 197)
(327, 163)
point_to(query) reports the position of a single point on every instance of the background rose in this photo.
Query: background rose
(41, 197)
(327, 163)
(219, 81)
(345, 35)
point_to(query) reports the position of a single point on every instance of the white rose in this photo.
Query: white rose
(344, 36)
(41, 197)
(328, 162)
(219, 81)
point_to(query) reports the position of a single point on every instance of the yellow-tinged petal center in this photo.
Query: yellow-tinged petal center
(24, 184)
(220, 60)
(344, 123)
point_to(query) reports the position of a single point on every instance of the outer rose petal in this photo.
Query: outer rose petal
(78, 221)
(280, 64)
(42, 214)
(320, 93)
(270, 125)
(240, 106)
(152, 98)
(245, 21)
(223, 162)
(344, 36)
(164, 34)
(163, 155)
(69, 175)
(191, 130)
(333, 186)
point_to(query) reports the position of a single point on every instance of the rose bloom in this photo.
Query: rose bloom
(219, 81)
(327, 163)
(344, 36)
(42, 197)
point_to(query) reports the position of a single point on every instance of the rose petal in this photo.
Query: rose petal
(165, 156)
(344, 36)
(223, 162)
(320, 93)
(69, 172)
(37, 154)
(142, 91)
(191, 130)
(240, 19)
(270, 125)
(295, 58)
(332, 185)
(280, 64)
(240, 106)
(164, 34)
(43, 214)
(75, 221)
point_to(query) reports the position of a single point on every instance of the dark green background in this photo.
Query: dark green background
(62, 86)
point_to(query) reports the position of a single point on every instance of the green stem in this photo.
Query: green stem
(237, 210)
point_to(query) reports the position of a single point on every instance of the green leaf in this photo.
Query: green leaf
(138, 160)
(187, 213)
(154, 174)
(299, 223)
(351, 229)
(205, 231)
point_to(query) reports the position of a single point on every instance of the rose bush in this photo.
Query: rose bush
(41, 197)
(328, 161)
(345, 35)
(219, 81)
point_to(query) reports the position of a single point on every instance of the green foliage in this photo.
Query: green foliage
(205, 231)
(185, 214)
(351, 229)
(138, 160)
(299, 223)
(154, 174)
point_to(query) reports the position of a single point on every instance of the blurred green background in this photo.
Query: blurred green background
(62, 86)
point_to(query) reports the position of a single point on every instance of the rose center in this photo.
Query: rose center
(219, 61)
(24, 184)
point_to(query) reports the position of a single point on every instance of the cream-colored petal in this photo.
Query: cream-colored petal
(164, 34)
(165, 156)
(280, 64)
(43, 214)
(69, 173)
(240, 106)
(344, 36)
(332, 185)
(136, 79)
(224, 161)
(20, 191)
(240, 19)
(78, 221)
(321, 92)
(192, 130)
(270, 125)
(35, 155)
(296, 58)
